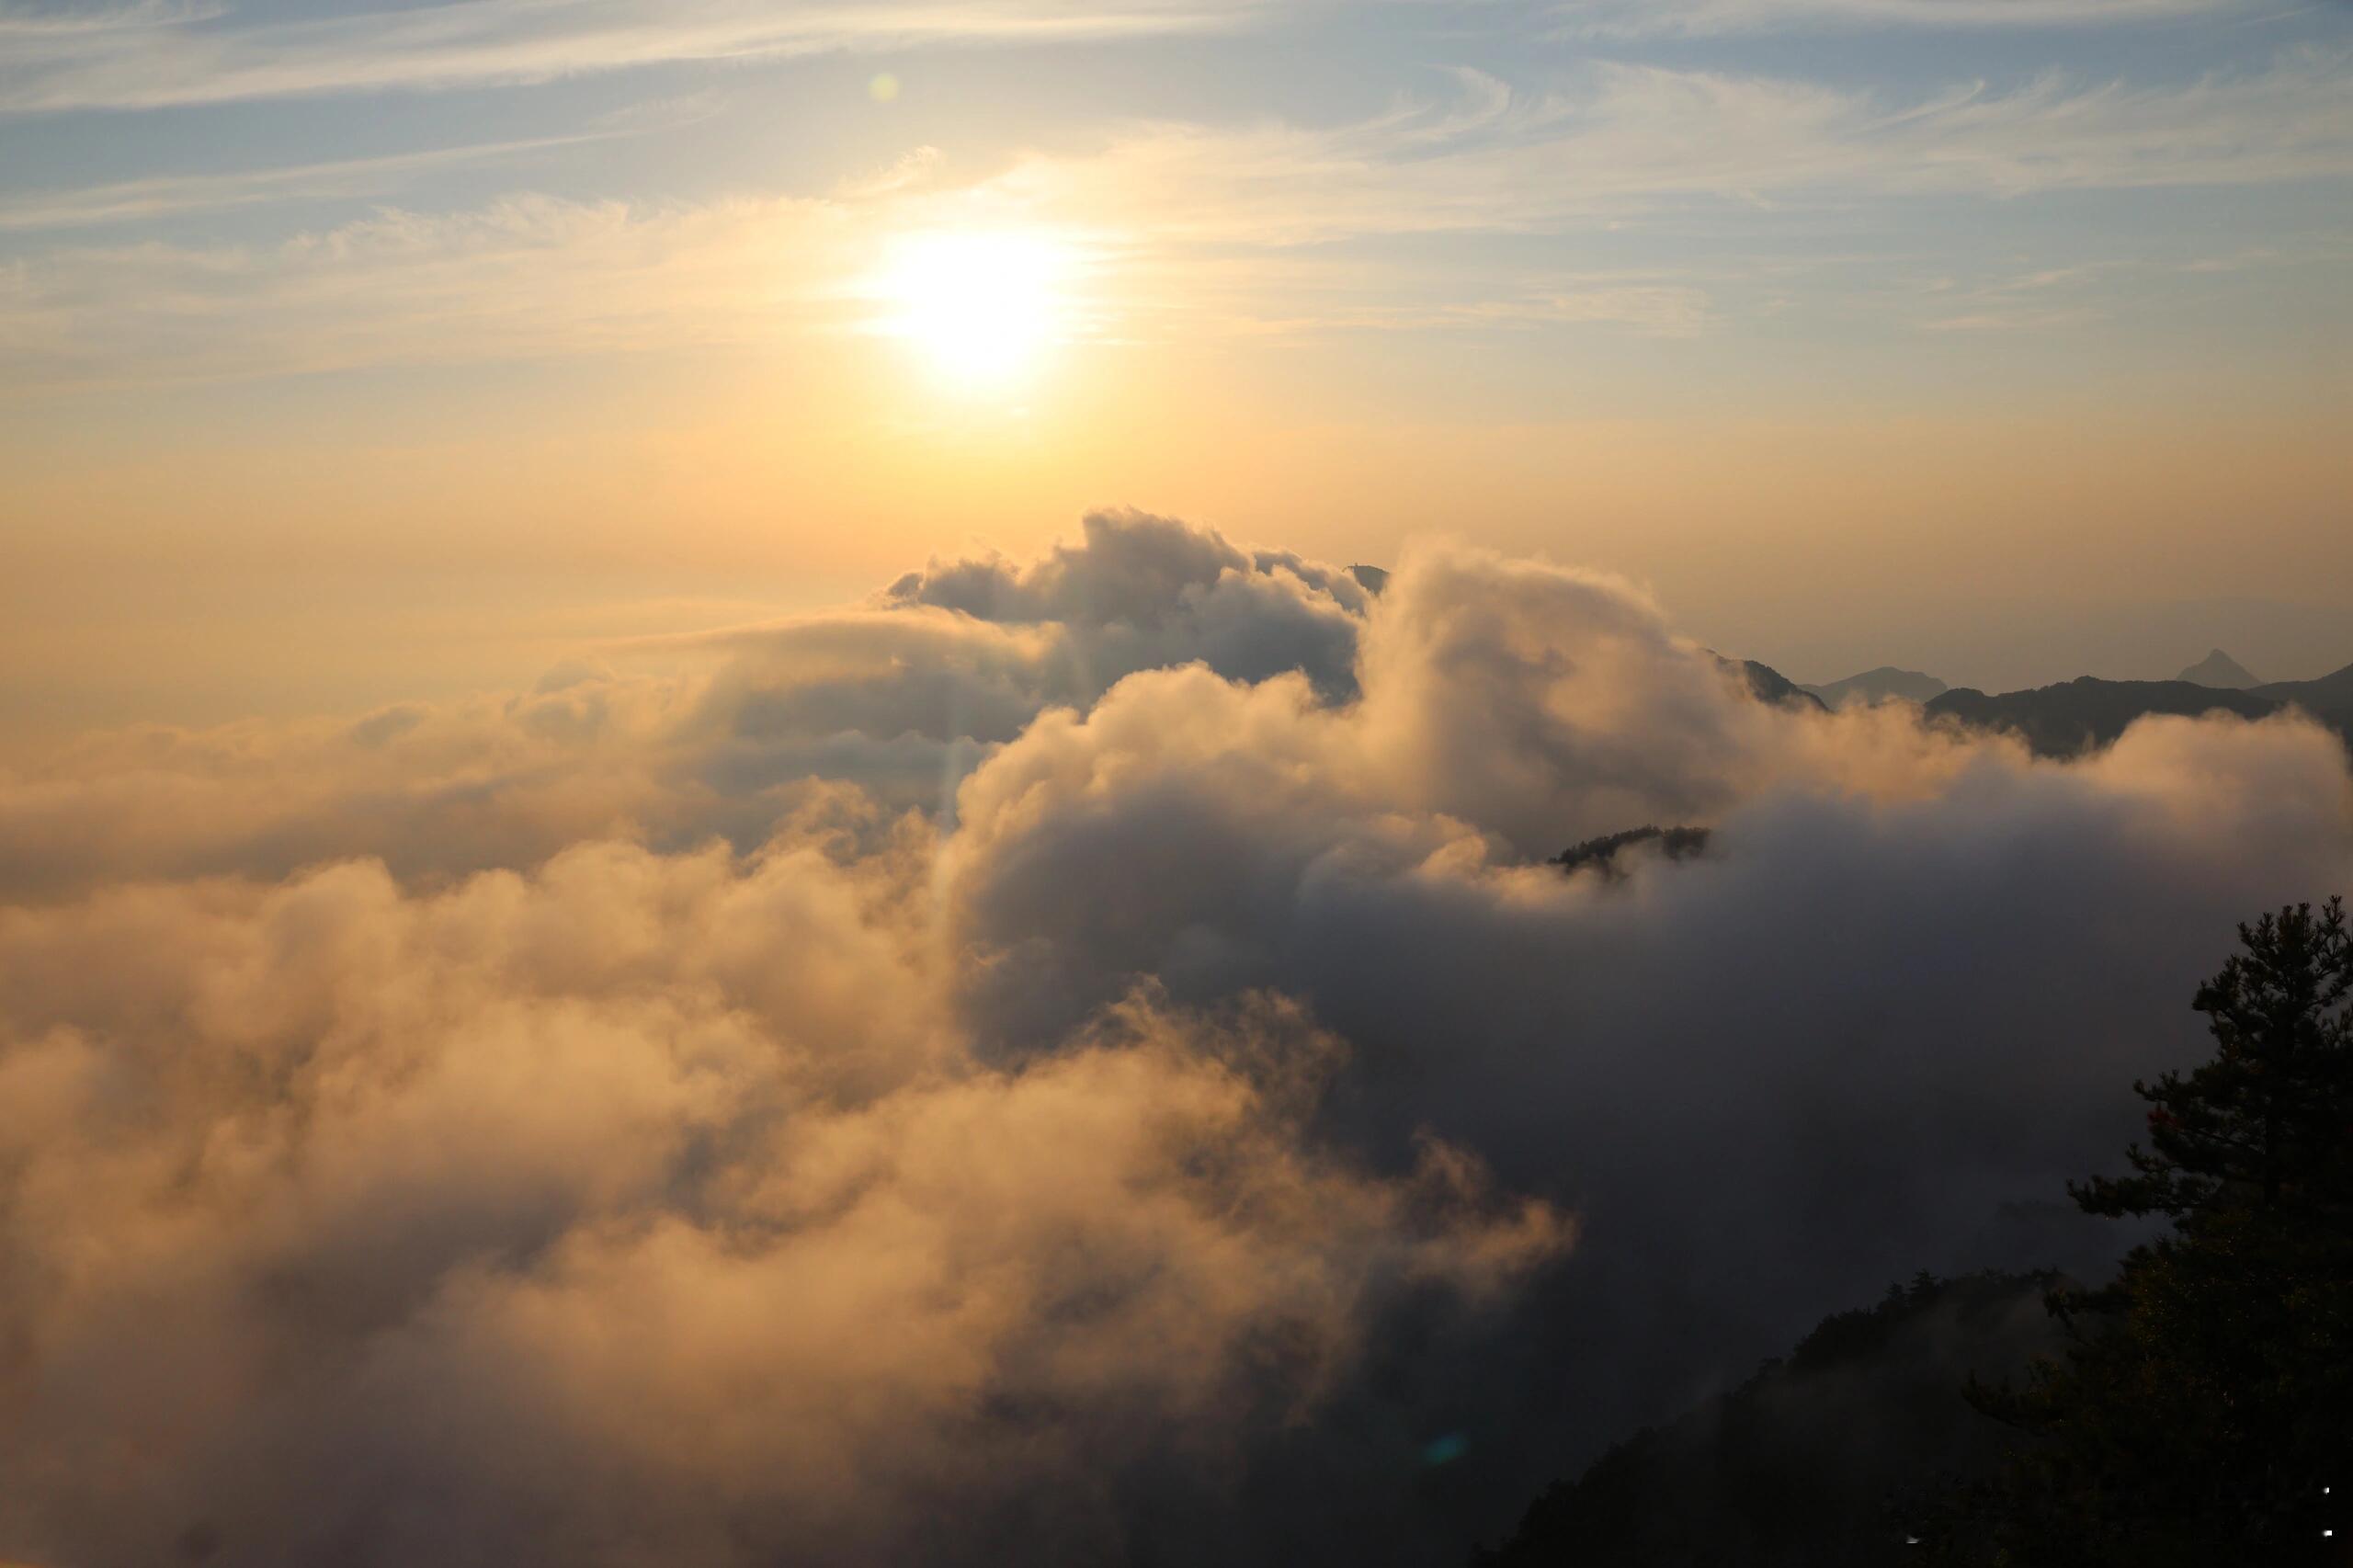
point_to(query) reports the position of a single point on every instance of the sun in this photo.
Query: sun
(981, 307)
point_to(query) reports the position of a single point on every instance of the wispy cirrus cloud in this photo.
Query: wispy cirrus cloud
(166, 195)
(1629, 136)
(1638, 18)
(524, 278)
(2060, 296)
(152, 56)
(169, 196)
(19, 22)
(1192, 227)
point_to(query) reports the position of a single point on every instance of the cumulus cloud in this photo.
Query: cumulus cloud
(903, 697)
(1085, 1047)
(1140, 592)
(643, 1204)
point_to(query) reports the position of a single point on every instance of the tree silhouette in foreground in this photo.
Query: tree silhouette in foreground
(2205, 1399)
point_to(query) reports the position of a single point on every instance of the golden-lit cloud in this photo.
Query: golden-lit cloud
(725, 996)
(1034, 1049)
(1022, 1046)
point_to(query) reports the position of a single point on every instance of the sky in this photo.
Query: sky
(352, 353)
(706, 856)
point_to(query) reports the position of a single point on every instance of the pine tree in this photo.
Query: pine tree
(2206, 1400)
(2266, 1119)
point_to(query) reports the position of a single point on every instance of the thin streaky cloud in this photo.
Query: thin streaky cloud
(1634, 138)
(533, 278)
(525, 278)
(1629, 19)
(490, 41)
(19, 22)
(124, 201)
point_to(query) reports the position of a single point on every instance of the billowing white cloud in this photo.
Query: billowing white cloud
(644, 1203)
(1088, 1048)
(903, 697)
(1140, 592)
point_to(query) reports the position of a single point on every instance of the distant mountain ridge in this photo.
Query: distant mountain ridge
(2219, 669)
(1767, 684)
(2328, 699)
(2071, 717)
(2087, 713)
(1880, 685)
(1771, 685)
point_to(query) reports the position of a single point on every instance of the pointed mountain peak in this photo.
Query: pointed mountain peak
(2217, 668)
(1881, 685)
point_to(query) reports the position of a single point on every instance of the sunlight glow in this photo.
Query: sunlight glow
(981, 307)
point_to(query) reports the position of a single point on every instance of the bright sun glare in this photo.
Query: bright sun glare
(981, 307)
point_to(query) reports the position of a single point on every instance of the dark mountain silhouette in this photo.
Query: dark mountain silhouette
(2219, 669)
(1768, 685)
(2198, 1416)
(2087, 713)
(2328, 699)
(1807, 1464)
(1879, 685)
(1372, 579)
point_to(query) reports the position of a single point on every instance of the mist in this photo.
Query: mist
(1081, 1056)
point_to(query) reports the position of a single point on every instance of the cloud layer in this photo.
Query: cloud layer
(147, 56)
(1086, 1049)
(1179, 228)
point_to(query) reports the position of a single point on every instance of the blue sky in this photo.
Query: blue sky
(1334, 273)
(1950, 163)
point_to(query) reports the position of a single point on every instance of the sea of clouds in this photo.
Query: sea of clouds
(1077, 1059)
